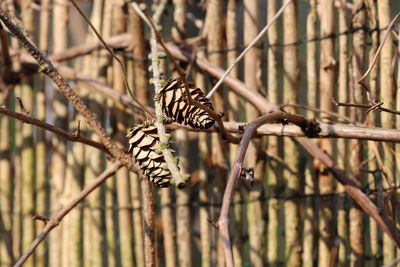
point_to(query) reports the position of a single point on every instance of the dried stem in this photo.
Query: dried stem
(69, 136)
(370, 107)
(221, 80)
(376, 57)
(53, 223)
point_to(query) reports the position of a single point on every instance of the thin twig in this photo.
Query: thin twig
(113, 55)
(51, 128)
(370, 107)
(375, 59)
(53, 223)
(221, 80)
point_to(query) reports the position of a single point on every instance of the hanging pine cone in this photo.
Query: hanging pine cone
(143, 142)
(175, 104)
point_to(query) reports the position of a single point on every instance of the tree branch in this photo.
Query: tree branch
(53, 223)
(51, 128)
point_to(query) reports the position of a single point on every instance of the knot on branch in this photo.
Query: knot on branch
(248, 174)
(311, 128)
(213, 223)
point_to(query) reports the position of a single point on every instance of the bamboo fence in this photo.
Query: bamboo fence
(328, 198)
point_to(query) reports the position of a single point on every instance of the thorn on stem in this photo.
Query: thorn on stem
(77, 133)
(21, 104)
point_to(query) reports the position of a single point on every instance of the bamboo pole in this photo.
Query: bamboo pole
(72, 235)
(6, 190)
(111, 221)
(356, 147)
(27, 150)
(291, 153)
(274, 174)
(214, 31)
(119, 121)
(309, 221)
(387, 119)
(237, 215)
(204, 184)
(183, 222)
(9, 142)
(251, 67)
(141, 85)
(342, 225)
(375, 237)
(327, 76)
(94, 221)
(42, 190)
(59, 111)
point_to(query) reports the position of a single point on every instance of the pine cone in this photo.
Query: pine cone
(143, 142)
(175, 104)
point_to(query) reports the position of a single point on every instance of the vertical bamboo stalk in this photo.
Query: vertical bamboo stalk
(141, 85)
(27, 152)
(204, 192)
(59, 111)
(183, 224)
(291, 153)
(387, 119)
(72, 235)
(375, 237)
(251, 68)
(7, 145)
(273, 172)
(356, 147)
(111, 214)
(94, 222)
(42, 181)
(312, 97)
(327, 76)
(214, 27)
(119, 119)
(6, 187)
(342, 226)
(237, 218)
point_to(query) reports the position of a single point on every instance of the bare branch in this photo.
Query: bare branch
(51, 128)
(371, 107)
(53, 223)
